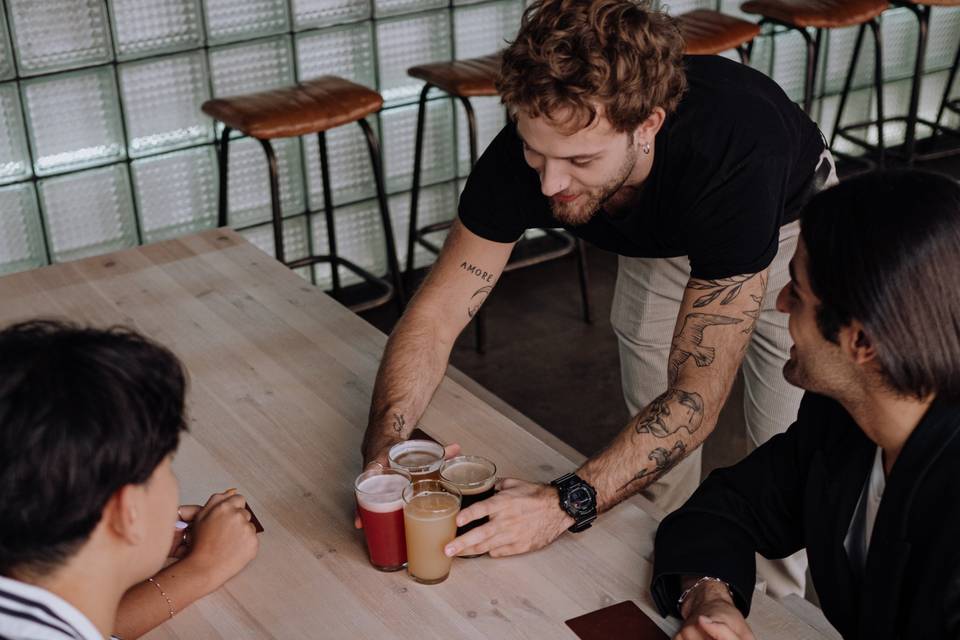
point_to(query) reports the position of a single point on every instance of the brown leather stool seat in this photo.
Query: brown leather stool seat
(707, 32)
(466, 78)
(307, 107)
(820, 14)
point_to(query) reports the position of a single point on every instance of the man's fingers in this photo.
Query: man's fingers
(188, 512)
(507, 483)
(514, 549)
(472, 539)
(357, 522)
(715, 629)
(451, 451)
(477, 511)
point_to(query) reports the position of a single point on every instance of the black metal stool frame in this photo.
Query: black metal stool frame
(416, 235)
(813, 44)
(912, 118)
(394, 289)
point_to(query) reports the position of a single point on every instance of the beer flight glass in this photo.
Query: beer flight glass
(475, 477)
(379, 494)
(430, 510)
(420, 458)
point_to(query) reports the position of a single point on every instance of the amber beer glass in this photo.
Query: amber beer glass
(420, 458)
(430, 509)
(475, 477)
(380, 505)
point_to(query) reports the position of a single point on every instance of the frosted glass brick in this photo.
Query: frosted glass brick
(88, 213)
(143, 27)
(857, 110)
(176, 193)
(7, 69)
(790, 63)
(161, 100)
(490, 118)
(359, 239)
(900, 29)
(351, 174)
(248, 193)
(406, 42)
(896, 101)
(838, 53)
(345, 51)
(399, 136)
(295, 238)
(944, 35)
(21, 236)
(251, 66)
(52, 36)
(231, 20)
(436, 204)
(485, 29)
(383, 8)
(73, 120)
(323, 13)
(14, 157)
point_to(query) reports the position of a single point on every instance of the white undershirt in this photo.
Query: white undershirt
(857, 542)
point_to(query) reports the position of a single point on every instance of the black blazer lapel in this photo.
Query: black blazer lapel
(890, 547)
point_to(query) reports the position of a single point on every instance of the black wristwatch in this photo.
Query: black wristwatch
(578, 499)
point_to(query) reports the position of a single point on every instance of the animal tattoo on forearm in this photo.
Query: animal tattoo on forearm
(674, 410)
(663, 461)
(689, 342)
(399, 422)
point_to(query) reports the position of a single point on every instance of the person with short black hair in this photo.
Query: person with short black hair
(865, 480)
(89, 422)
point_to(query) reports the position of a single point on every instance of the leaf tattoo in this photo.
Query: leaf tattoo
(729, 288)
(399, 422)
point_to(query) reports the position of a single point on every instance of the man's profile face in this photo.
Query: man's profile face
(580, 171)
(815, 363)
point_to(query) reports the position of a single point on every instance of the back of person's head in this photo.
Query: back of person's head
(884, 249)
(83, 412)
(571, 56)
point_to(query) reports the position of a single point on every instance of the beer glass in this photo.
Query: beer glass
(474, 476)
(430, 510)
(420, 458)
(380, 505)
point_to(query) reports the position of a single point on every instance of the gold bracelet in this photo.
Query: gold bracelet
(162, 593)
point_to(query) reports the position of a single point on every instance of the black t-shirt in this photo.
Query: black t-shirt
(732, 164)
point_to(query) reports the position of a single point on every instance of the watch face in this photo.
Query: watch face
(579, 498)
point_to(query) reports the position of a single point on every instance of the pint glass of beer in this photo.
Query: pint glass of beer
(420, 458)
(430, 510)
(474, 476)
(380, 505)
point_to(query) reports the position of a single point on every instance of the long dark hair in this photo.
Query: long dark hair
(884, 249)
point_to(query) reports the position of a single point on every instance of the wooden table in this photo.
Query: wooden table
(281, 378)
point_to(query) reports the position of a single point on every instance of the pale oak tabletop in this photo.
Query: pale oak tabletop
(281, 378)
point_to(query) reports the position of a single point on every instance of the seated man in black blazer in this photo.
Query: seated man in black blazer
(868, 478)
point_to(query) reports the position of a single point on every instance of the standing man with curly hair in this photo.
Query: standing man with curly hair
(693, 169)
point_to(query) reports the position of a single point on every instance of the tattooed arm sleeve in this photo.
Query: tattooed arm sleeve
(713, 329)
(418, 349)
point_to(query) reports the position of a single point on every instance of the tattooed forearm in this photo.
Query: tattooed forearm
(729, 288)
(663, 460)
(754, 314)
(689, 342)
(477, 299)
(674, 410)
(399, 422)
(477, 271)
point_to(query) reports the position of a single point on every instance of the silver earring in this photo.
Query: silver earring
(646, 148)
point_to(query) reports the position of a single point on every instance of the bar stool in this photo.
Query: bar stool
(708, 32)
(922, 9)
(801, 15)
(313, 106)
(465, 79)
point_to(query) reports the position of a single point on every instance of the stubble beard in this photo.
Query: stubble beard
(582, 210)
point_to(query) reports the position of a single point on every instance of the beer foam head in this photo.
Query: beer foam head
(382, 493)
(468, 473)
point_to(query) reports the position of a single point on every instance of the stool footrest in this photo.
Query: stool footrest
(336, 262)
(844, 132)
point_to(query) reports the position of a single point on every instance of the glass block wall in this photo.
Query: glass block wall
(103, 145)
